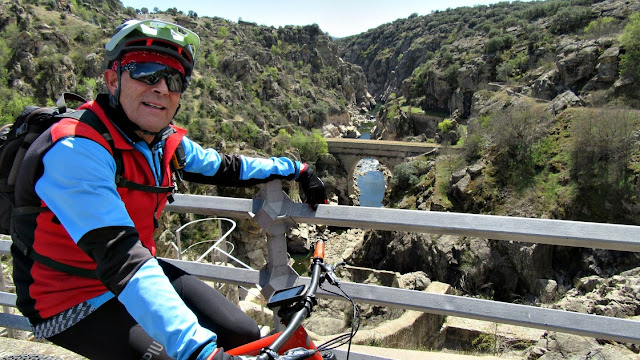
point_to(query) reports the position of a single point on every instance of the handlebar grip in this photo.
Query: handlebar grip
(318, 253)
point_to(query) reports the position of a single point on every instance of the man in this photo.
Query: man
(102, 293)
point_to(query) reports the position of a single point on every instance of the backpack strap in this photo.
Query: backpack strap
(91, 119)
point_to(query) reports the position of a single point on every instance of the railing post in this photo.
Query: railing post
(6, 309)
(274, 217)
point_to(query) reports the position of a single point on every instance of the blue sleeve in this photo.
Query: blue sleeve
(258, 168)
(152, 301)
(236, 169)
(78, 185)
(199, 160)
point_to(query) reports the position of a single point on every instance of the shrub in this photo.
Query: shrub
(13, 107)
(319, 114)
(420, 78)
(569, 19)
(498, 43)
(601, 27)
(602, 146)
(504, 71)
(445, 126)
(223, 32)
(514, 133)
(212, 60)
(405, 176)
(451, 74)
(281, 143)
(310, 147)
(476, 139)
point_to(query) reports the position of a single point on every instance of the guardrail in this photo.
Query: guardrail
(276, 213)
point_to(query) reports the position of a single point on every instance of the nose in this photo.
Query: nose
(161, 86)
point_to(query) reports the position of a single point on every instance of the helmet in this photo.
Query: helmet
(157, 36)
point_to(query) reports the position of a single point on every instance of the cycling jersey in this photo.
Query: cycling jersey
(87, 221)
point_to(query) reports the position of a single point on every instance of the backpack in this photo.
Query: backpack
(15, 140)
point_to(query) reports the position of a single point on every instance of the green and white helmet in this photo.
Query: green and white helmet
(157, 36)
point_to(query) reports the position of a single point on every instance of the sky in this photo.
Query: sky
(339, 18)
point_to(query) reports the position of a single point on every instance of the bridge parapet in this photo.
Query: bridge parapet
(505, 228)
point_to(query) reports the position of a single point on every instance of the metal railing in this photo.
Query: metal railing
(276, 213)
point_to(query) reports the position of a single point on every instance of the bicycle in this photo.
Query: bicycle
(294, 305)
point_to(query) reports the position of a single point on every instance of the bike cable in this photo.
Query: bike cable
(343, 339)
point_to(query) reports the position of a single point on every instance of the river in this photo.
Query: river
(369, 179)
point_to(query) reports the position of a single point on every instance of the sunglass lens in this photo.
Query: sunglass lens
(175, 82)
(151, 73)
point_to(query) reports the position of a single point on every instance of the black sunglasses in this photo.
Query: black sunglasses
(150, 73)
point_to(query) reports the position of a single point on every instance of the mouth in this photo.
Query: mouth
(154, 106)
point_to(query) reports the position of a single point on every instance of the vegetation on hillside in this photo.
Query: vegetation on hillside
(478, 63)
(250, 81)
(261, 89)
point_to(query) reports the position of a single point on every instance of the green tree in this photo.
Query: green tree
(630, 39)
(310, 147)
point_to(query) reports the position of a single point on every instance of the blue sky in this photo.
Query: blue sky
(337, 17)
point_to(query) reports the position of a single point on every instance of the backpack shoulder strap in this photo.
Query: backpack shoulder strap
(90, 118)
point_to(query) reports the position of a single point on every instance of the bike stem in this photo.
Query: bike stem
(309, 301)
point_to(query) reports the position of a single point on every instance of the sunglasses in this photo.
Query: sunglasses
(151, 73)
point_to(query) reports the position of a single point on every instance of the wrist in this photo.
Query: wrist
(213, 354)
(205, 352)
(300, 168)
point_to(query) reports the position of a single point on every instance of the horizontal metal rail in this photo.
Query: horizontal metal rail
(542, 231)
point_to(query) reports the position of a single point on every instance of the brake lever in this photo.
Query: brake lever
(330, 275)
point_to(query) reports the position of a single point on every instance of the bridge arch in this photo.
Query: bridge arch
(389, 153)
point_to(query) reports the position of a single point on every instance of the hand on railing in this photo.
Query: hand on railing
(312, 186)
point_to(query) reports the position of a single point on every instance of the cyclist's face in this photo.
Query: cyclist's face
(149, 106)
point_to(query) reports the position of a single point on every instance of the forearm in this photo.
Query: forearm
(153, 302)
(237, 170)
(210, 167)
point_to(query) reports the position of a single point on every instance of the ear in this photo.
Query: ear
(111, 79)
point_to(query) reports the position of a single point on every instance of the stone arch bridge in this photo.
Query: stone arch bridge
(389, 153)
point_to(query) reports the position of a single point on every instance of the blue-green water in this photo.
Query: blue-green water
(371, 183)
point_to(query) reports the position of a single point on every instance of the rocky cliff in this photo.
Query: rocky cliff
(438, 61)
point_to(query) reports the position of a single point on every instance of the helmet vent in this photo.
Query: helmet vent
(159, 43)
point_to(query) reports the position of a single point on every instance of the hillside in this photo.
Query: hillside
(536, 104)
(250, 81)
(501, 83)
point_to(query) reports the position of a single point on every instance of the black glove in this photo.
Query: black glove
(312, 186)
